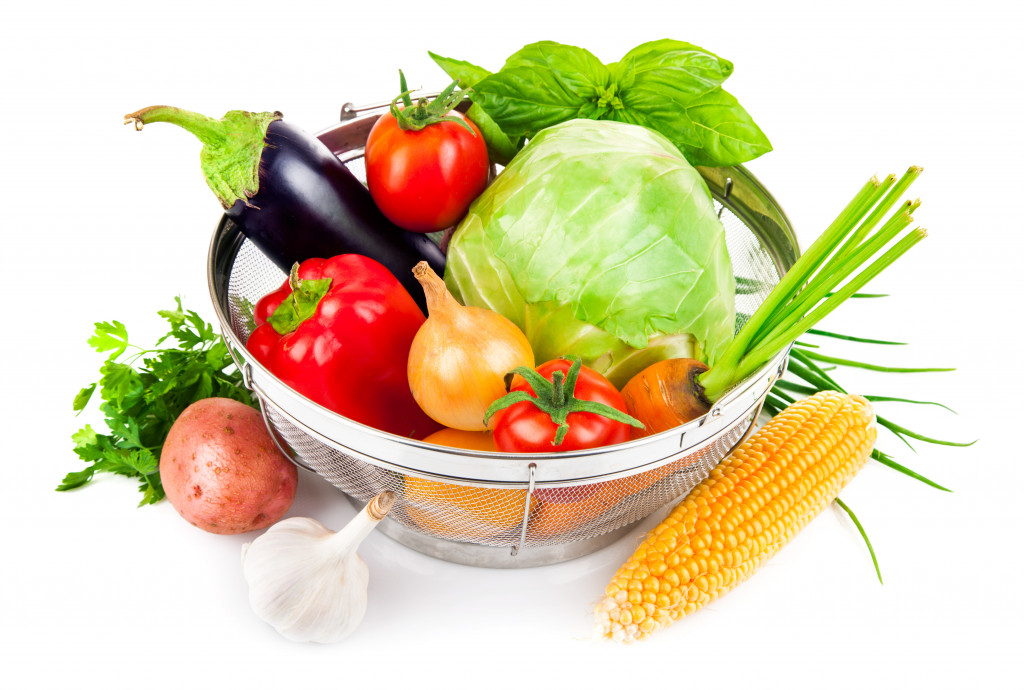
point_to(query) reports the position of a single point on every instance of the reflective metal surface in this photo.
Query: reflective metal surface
(532, 509)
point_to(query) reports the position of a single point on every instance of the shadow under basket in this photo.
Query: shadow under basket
(505, 510)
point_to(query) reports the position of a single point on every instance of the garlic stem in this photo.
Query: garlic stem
(359, 527)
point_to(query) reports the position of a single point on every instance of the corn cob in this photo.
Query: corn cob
(750, 505)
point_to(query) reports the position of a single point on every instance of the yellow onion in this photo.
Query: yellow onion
(460, 356)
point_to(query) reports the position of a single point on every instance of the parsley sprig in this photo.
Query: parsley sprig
(144, 390)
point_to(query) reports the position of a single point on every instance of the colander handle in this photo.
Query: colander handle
(526, 511)
(275, 435)
(246, 370)
(238, 364)
(350, 111)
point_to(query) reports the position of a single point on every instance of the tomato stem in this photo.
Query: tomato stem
(426, 112)
(558, 388)
(557, 399)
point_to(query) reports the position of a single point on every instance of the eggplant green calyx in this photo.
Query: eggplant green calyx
(427, 112)
(232, 146)
(557, 399)
(300, 304)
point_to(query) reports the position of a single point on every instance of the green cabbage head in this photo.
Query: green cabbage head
(600, 240)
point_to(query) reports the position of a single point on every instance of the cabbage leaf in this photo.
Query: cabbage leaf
(600, 240)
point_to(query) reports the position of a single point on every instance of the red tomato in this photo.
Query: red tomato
(525, 428)
(424, 180)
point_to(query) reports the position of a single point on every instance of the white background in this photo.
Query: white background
(100, 222)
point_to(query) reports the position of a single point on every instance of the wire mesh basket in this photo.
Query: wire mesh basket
(502, 509)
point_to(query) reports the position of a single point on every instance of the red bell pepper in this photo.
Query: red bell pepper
(338, 331)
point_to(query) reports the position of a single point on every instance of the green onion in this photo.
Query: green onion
(835, 267)
(885, 398)
(815, 379)
(873, 367)
(851, 338)
(889, 462)
(863, 534)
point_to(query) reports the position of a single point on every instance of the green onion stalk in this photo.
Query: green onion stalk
(834, 268)
(868, 235)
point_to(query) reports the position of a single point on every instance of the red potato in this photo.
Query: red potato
(221, 470)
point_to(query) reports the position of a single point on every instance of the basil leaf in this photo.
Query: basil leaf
(727, 133)
(669, 86)
(522, 102)
(661, 112)
(500, 148)
(673, 67)
(659, 79)
(467, 73)
(542, 85)
(576, 63)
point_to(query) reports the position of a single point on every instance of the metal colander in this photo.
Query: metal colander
(498, 509)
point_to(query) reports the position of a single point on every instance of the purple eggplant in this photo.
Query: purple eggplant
(292, 197)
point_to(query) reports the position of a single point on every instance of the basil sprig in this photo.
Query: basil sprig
(669, 86)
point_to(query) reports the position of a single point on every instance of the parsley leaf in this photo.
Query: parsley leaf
(83, 397)
(144, 392)
(110, 336)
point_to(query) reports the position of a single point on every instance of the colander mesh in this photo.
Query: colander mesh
(493, 516)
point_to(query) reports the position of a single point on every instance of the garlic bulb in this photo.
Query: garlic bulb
(309, 582)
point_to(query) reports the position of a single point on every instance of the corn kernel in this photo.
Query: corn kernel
(749, 506)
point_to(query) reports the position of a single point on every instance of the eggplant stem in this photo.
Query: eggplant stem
(232, 146)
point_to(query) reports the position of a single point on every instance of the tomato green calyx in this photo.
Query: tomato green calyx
(556, 398)
(232, 146)
(427, 112)
(300, 304)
